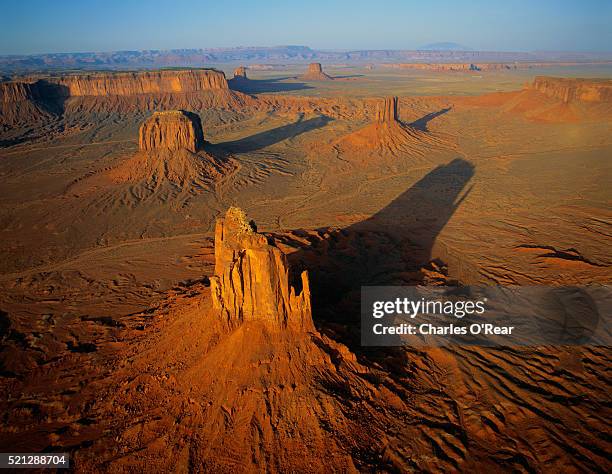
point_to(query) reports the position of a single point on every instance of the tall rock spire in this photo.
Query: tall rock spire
(388, 111)
(251, 280)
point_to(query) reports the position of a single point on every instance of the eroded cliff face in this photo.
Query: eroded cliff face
(145, 82)
(171, 130)
(24, 102)
(251, 279)
(387, 112)
(14, 91)
(574, 90)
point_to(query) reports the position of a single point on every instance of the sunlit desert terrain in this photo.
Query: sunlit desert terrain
(113, 350)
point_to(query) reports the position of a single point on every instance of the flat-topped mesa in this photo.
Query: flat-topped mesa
(143, 82)
(387, 111)
(240, 73)
(251, 281)
(171, 130)
(575, 89)
(315, 73)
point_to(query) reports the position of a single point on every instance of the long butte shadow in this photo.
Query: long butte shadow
(259, 86)
(421, 123)
(349, 76)
(388, 248)
(270, 137)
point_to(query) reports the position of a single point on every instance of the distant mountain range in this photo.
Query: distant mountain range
(438, 53)
(444, 47)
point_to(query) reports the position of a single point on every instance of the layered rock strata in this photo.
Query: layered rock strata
(171, 130)
(144, 82)
(574, 90)
(251, 281)
(388, 111)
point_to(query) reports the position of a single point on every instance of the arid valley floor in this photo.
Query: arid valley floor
(111, 348)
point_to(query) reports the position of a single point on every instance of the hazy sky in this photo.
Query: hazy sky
(32, 26)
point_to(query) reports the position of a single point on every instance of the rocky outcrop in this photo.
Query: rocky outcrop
(574, 90)
(144, 82)
(388, 111)
(251, 279)
(171, 130)
(14, 91)
(23, 102)
(315, 73)
(240, 73)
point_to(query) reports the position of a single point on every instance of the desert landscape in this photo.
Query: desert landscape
(185, 235)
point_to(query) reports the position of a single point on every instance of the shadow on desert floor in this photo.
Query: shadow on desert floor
(421, 124)
(261, 86)
(389, 248)
(275, 135)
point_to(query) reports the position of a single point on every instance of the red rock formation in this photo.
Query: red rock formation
(171, 130)
(574, 90)
(315, 73)
(388, 111)
(16, 91)
(22, 102)
(145, 82)
(251, 279)
(240, 73)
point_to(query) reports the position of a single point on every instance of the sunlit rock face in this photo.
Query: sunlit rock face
(388, 111)
(574, 90)
(171, 130)
(251, 279)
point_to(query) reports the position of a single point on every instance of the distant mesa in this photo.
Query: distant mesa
(444, 46)
(171, 130)
(315, 73)
(251, 280)
(143, 82)
(574, 90)
(240, 73)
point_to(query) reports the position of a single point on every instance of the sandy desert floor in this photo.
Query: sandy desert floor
(104, 281)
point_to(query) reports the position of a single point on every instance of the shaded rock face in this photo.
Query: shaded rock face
(315, 73)
(240, 73)
(171, 130)
(251, 279)
(145, 82)
(23, 102)
(574, 90)
(388, 111)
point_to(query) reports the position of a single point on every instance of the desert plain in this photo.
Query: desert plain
(117, 349)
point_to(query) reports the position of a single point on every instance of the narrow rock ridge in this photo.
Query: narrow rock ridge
(574, 90)
(251, 281)
(171, 130)
(388, 111)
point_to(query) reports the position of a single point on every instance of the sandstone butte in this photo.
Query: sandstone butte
(251, 281)
(240, 73)
(315, 73)
(171, 130)
(574, 90)
(388, 111)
